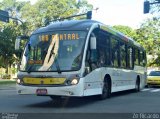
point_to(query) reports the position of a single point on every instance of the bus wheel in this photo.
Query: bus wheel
(137, 87)
(106, 91)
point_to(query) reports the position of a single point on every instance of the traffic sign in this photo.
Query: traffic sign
(4, 16)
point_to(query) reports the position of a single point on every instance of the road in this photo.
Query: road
(146, 101)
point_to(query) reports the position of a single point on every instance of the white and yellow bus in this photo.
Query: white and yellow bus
(80, 58)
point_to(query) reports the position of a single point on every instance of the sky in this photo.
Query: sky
(117, 12)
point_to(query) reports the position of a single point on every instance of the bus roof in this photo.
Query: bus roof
(67, 25)
(84, 25)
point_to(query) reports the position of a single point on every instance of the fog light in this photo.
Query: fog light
(74, 81)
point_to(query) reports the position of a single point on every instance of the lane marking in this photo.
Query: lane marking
(156, 90)
(145, 89)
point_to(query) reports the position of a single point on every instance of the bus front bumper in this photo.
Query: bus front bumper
(74, 90)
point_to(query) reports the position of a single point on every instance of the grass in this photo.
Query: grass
(6, 82)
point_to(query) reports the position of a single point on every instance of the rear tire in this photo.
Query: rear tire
(106, 91)
(137, 86)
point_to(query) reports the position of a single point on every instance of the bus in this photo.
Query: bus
(79, 58)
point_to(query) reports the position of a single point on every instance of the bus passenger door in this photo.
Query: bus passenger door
(92, 82)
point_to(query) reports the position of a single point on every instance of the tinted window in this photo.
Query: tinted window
(136, 57)
(129, 57)
(123, 54)
(103, 48)
(154, 73)
(114, 52)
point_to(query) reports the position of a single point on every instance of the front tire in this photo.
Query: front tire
(106, 91)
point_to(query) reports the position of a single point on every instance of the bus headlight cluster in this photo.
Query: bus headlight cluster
(19, 81)
(72, 81)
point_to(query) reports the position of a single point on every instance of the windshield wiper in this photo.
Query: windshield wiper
(29, 69)
(57, 65)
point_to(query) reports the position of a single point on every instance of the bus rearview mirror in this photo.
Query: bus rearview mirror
(18, 41)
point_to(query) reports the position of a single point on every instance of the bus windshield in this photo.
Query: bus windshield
(54, 51)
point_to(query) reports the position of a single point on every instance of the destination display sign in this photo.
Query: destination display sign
(64, 36)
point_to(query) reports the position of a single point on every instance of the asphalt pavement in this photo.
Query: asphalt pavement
(121, 105)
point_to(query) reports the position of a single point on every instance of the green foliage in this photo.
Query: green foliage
(149, 37)
(48, 10)
(128, 31)
(7, 40)
(154, 8)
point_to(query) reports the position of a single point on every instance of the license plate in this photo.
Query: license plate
(41, 91)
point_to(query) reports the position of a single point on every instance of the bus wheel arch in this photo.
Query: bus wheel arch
(106, 90)
(137, 85)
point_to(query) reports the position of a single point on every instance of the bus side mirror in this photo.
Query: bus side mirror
(93, 47)
(18, 41)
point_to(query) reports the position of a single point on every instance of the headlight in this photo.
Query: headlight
(19, 81)
(74, 81)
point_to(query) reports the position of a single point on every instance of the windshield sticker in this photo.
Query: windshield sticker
(51, 54)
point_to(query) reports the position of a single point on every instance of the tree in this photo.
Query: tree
(47, 10)
(155, 7)
(7, 40)
(128, 31)
(149, 38)
(151, 5)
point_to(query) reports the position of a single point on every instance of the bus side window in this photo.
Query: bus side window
(103, 48)
(114, 52)
(144, 58)
(123, 60)
(136, 62)
(130, 57)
